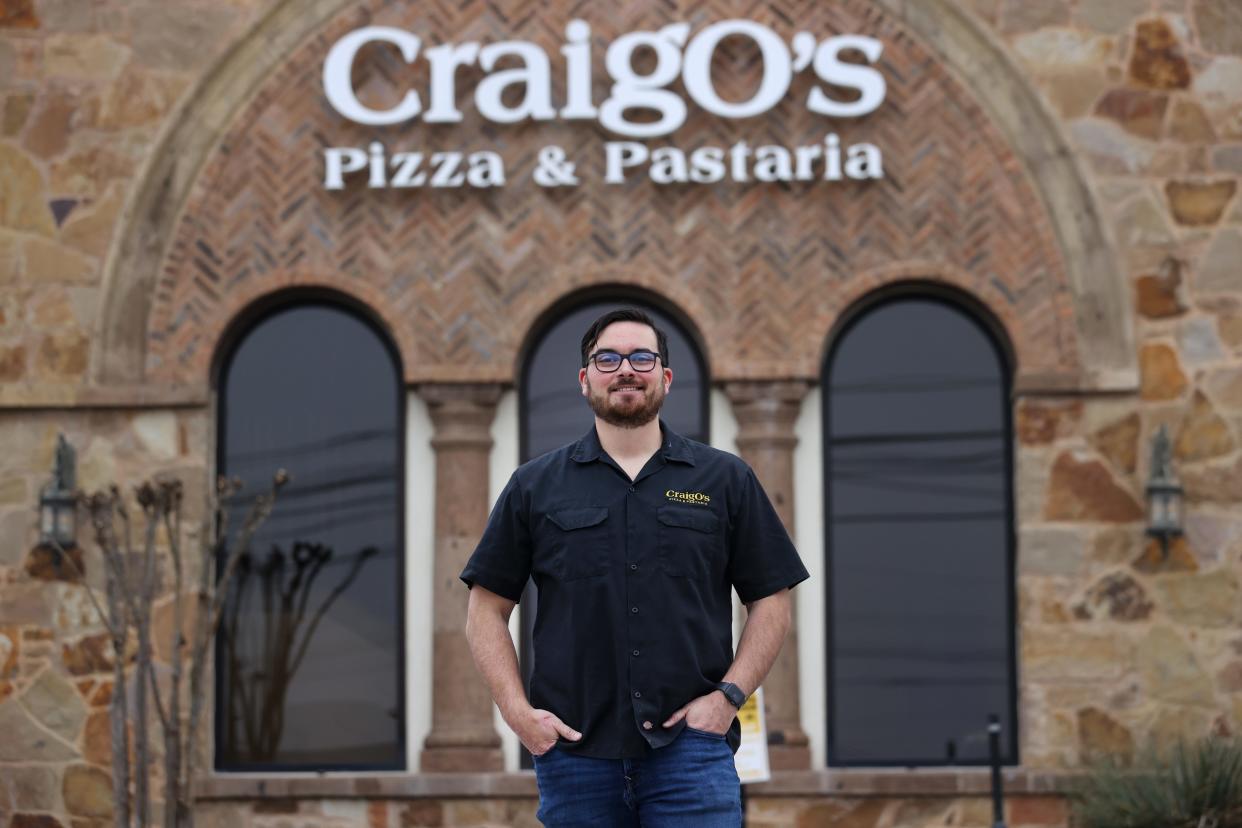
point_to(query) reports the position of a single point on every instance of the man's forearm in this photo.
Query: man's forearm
(767, 624)
(492, 648)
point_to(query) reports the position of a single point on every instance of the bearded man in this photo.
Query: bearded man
(636, 538)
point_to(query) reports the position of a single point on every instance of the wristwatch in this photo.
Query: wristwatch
(733, 693)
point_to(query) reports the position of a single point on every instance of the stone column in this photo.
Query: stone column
(462, 737)
(766, 412)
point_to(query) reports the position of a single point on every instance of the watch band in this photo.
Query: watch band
(733, 693)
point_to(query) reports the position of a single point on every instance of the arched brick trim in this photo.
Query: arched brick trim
(290, 287)
(764, 264)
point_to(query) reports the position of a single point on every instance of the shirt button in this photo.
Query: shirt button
(632, 489)
(633, 567)
(634, 610)
(647, 725)
(636, 652)
(638, 694)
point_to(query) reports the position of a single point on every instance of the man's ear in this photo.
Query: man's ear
(582, 380)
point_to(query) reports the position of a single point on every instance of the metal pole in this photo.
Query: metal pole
(994, 751)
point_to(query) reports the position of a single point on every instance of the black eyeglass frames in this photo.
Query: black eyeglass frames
(608, 362)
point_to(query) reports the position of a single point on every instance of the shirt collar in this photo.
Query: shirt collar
(673, 447)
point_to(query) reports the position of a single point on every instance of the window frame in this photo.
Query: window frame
(246, 323)
(972, 313)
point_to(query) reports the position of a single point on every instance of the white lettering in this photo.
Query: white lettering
(807, 156)
(377, 179)
(864, 161)
(486, 170)
(773, 164)
(620, 155)
(830, 69)
(668, 166)
(633, 91)
(707, 165)
(406, 164)
(445, 165)
(696, 72)
(338, 84)
(535, 76)
(444, 61)
(738, 154)
(577, 52)
(340, 160)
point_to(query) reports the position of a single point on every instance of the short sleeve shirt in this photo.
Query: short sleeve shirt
(635, 581)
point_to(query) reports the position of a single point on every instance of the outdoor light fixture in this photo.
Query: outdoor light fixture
(1164, 493)
(58, 511)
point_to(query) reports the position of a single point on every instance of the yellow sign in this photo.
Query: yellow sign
(752, 757)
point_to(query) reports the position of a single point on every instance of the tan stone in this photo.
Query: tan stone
(88, 171)
(1156, 60)
(1061, 651)
(1113, 16)
(26, 741)
(1159, 296)
(1119, 442)
(47, 261)
(90, 654)
(420, 813)
(1228, 159)
(161, 32)
(21, 198)
(1175, 723)
(1024, 16)
(63, 355)
(1199, 203)
(1144, 223)
(1161, 376)
(16, 110)
(1040, 422)
(1083, 489)
(1221, 266)
(1054, 50)
(1229, 679)
(35, 787)
(139, 97)
(1111, 150)
(1209, 599)
(90, 230)
(12, 362)
(1216, 86)
(48, 134)
(1203, 434)
(1170, 670)
(1117, 596)
(91, 57)
(18, 14)
(87, 791)
(54, 702)
(1073, 90)
(1153, 558)
(1219, 23)
(1189, 124)
(1214, 483)
(1225, 386)
(1051, 550)
(1101, 736)
(1138, 111)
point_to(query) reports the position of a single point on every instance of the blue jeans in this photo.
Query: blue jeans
(691, 783)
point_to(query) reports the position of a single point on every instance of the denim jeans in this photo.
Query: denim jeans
(691, 783)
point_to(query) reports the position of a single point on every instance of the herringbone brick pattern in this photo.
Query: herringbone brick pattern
(763, 270)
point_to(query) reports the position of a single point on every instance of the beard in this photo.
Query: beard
(627, 413)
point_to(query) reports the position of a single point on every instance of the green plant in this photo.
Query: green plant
(1191, 785)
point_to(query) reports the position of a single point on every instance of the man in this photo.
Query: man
(635, 537)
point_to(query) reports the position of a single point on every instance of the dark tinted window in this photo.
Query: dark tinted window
(919, 523)
(554, 412)
(310, 656)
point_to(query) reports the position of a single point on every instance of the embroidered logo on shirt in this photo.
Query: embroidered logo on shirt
(688, 497)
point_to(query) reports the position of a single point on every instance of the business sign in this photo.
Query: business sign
(751, 758)
(522, 91)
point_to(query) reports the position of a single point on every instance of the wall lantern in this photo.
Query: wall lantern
(58, 508)
(1164, 493)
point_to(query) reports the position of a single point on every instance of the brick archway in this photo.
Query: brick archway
(972, 188)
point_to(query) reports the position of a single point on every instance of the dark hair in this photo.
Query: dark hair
(623, 315)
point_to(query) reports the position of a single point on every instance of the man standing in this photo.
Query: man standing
(635, 538)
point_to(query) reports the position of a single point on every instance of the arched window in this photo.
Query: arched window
(553, 411)
(310, 652)
(920, 539)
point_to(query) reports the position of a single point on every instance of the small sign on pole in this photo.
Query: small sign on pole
(752, 757)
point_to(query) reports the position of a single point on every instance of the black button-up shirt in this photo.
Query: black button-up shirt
(634, 617)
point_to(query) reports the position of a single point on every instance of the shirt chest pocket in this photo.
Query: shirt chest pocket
(689, 541)
(577, 542)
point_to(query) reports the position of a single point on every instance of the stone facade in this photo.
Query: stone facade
(1103, 140)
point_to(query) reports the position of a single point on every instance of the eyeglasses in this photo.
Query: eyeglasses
(607, 362)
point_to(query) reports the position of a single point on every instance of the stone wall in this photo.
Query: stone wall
(1118, 646)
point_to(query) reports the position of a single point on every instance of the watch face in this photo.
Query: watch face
(733, 693)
